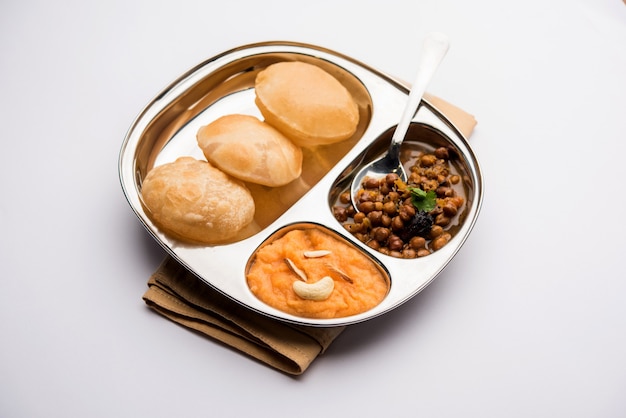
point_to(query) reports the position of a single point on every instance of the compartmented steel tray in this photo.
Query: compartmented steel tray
(166, 129)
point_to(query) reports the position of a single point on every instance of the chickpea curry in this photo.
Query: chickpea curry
(407, 219)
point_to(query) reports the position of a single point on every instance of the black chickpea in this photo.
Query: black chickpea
(370, 183)
(358, 217)
(428, 160)
(450, 209)
(445, 191)
(340, 213)
(366, 207)
(442, 153)
(436, 231)
(395, 243)
(381, 234)
(406, 213)
(440, 241)
(423, 252)
(390, 208)
(409, 253)
(360, 236)
(375, 217)
(396, 223)
(442, 220)
(417, 243)
(392, 197)
(373, 244)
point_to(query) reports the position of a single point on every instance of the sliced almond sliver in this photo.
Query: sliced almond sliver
(316, 253)
(340, 273)
(292, 266)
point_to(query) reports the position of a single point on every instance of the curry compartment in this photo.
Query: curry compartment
(387, 217)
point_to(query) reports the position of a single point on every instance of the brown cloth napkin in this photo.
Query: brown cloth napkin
(177, 294)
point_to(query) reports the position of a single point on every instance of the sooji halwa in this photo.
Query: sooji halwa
(407, 219)
(310, 273)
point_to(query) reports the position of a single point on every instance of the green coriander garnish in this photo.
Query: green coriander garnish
(424, 201)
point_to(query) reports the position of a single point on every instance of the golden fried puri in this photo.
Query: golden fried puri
(307, 104)
(195, 201)
(250, 150)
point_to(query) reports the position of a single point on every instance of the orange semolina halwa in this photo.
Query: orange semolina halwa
(359, 283)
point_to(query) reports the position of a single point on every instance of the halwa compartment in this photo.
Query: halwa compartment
(271, 271)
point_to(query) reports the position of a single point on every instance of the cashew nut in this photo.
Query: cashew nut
(319, 290)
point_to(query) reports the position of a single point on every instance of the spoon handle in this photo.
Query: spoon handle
(435, 48)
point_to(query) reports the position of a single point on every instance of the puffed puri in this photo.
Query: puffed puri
(250, 150)
(196, 202)
(306, 103)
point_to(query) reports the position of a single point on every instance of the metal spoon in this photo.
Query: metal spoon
(435, 48)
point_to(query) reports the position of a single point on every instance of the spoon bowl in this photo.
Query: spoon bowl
(435, 47)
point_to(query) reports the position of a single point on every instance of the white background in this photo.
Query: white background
(529, 320)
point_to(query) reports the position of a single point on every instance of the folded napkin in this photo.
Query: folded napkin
(177, 294)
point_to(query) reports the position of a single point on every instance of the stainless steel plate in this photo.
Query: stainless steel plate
(167, 126)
